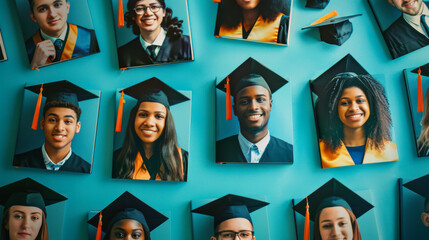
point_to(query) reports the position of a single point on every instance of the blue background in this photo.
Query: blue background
(305, 58)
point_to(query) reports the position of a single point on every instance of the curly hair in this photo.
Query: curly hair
(173, 26)
(61, 104)
(230, 13)
(353, 220)
(376, 128)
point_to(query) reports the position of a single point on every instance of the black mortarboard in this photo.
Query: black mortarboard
(27, 192)
(127, 206)
(420, 186)
(424, 70)
(335, 30)
(321, 4)
(346, 64)
(230, 206)
(332, 194)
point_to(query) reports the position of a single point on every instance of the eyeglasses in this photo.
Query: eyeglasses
(230, 235)
(140, 10)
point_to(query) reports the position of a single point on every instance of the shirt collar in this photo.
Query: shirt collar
(47, 159)
(245, 145)
(159, 40)
(62, 35)
(416, 19)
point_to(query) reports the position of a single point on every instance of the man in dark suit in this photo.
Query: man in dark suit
(252, 106)
(409, 32)
(57, 40)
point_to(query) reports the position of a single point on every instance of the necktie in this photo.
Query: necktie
(424, 24)
(254, 152)
(58, 44)
(52, 166)
(152, 53)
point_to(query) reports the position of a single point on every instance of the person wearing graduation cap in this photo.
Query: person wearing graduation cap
(160, 37)
(259, 20)
(150, 150)
(252, 86)
(57, 40)
(24, 214)
(421, 186)
(423, 106)
(60, 122)
(231, 215)
(127, 218)
(334, 209)
(353, 116)
(410, 31)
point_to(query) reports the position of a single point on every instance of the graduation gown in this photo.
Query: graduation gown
(79, 41)
(277, 151)
(172, 50)
(401, 38)
(341, 156)
(34, 159)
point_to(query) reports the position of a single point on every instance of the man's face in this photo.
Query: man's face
(235, 225)
(410, 7)
(252, 107)
(59, 126)
(51, 15)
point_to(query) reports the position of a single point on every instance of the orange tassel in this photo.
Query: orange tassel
(326, 17)
(120, 111)
(217, 1)
(228, 100)
(99, 231)
(307, 222)
(120, 14)
(419, 92)
(37, 111)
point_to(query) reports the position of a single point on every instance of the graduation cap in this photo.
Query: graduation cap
(320, 4)
(127, 206)
(61, 91)
(420, 186)
(27, 192)
(346, 64)
(249, 73)
(335, 30)
(151, 90)
(230, 206)
(422, 70)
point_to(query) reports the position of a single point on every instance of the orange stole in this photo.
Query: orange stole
(266, 31)
(70, 43)
(341, 156)
(141, 172)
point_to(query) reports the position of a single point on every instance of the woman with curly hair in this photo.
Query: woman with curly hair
(160, 37)
(354, 122)
(258, 20)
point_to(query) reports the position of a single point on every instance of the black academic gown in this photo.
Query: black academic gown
(401, 38)
(172, 50)
(277, 151)
(34, 159)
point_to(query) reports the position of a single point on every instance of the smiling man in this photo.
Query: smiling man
(60, 123)
(410, 31)
(57, 40)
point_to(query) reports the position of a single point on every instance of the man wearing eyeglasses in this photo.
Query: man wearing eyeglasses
(160, 38)
(57, 40)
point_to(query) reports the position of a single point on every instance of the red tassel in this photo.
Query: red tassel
(228, 100)
(120, 14)
(419, 92)
(99, 231)
(37, 111)
(217, 1)
(120, 111)
(307, 222)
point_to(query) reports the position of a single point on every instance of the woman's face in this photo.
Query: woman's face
(248, 4)
(24, 222)
(335, 224)
(353, 108)
(149, 21)
(127, 229)
(150, 121)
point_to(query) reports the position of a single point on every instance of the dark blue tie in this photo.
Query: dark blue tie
(152, 53)
(58, 44)
(424, 24)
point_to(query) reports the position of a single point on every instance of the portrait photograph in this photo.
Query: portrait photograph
(56, 30)
(417, 88)
(352, 115)
(211, 216)
(152, 132)
(327, 204)
(253, 116)
(263, 21)
(57, 128)
(403, 24)
(3, 55)
(152, 32)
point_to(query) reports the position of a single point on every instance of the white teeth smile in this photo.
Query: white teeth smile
(355, 116)
(148, 131)
(255, 117)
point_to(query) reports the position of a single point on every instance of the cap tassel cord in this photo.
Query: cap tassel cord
(37, 111)
(120, 14)
(228, 100)
(419, 92)
(99, 229)
(307, 222)
(326, 17)
(120, 111)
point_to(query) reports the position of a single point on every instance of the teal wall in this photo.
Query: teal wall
(304, 59)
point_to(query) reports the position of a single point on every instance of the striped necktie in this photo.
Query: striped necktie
(152, 53)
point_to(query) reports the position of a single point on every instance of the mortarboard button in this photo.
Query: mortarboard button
(424, 70)
(420, 186)
(321, 4)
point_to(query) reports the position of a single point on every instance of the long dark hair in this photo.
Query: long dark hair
(230, 13)
(377, 127)
(171, 25)
(43, 232)
(353, 220)
(170, 159)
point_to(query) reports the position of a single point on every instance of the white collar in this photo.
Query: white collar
(159, 40)
(245, 145)
(62, 35)
(416, 19)
(47, 159)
